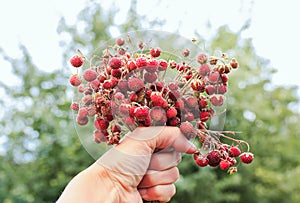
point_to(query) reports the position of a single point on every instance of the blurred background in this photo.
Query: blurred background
(39, 148)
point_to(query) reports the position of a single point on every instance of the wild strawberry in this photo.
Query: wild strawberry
(120, 41)
(174, 121)
(158, 115)
(130, 121)
(224, 165)
(115, 128)
(221, 89)
(189, 116)
(210, 89)
(214, 77)
(141, 62)
(202, 161)
(75, 80)
(90, 75)
(107, 84)
(186, 128)
(101, 124)
(152, 65)
(102, 78)
(162, 65)
(204, 69)
(117, 73)
(179, 104)
(141, 113)
(135, 84)
(76, 61)
(123, 85)
(202, 102)
(172, 64)
(155, 52)
(115, 63)
(202, 58)
(217, 100)
(87, 99)
(191, 102)
(224, 78)
(186, 52)
(131, 65)
(82, 120)
(91, 111)
(113, 82)
(233, 63)
(100, 136)
(74, 106)
(247, 157)
(214, 158)
(198, 85)
(171, 112)
(83, 112)
(231, 161)
(204, 116)
(234, 151)
(150, 77)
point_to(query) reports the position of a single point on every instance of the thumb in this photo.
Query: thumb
(162, 137)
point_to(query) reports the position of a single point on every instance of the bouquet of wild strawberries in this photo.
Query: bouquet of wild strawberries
(122, 90)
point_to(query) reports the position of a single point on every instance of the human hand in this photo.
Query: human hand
(131, 171)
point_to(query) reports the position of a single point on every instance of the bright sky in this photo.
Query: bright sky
(273, 27)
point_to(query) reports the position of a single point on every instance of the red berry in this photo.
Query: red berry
(130, 121)
(115, 63)
(214, 158)
(214, 77)
(141, 62)
(152, 65)
(155, 52)
(202, 161)
(83, 112)
(76, 61)
(163, 65)
(217, 100)
(186, 128)
(117, 73)
(82, 120)
(192, 102)
(150, 77)
(174, 121)
(234, 151)
(100, 136)
(233, 63)
(186, 52)
(141, 113)
(247, 157)
(204, 69)
(221, 89)
(74, 106)
(135, 84)
(189, 116)
(90, 75)
(75, 80)
(131, 65)
(101, 124)
(158, 115)
(171, 112)
(210, 89)
(120, 41)
(202, 58)
(224, 165)
(204, 116)
(115, 128)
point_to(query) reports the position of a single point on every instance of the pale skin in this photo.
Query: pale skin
(131, 171)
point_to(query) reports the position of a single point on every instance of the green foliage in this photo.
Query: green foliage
(43, 151)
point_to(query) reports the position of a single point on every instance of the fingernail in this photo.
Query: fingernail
(192, 148)
(142, 191)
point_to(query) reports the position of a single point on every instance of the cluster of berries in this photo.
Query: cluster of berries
(126, 90)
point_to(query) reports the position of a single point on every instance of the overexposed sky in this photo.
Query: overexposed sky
(273, 27)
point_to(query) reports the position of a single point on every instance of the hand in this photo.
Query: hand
(131, 171)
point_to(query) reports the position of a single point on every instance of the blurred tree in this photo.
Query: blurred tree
(42, 151)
